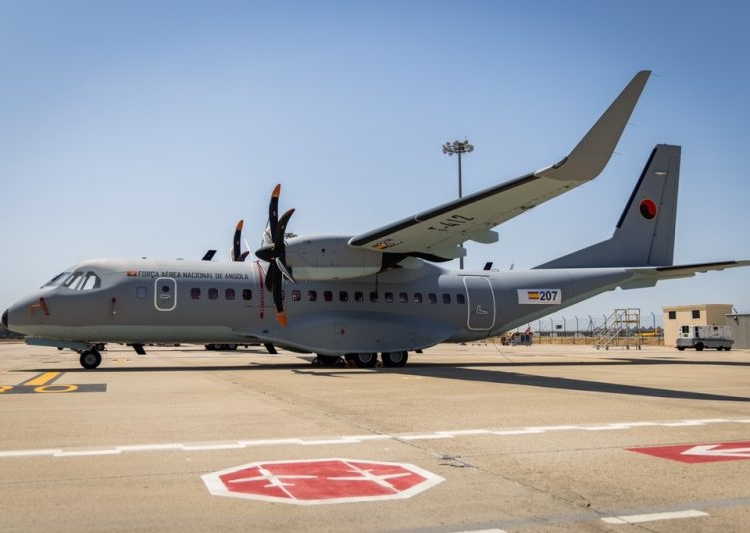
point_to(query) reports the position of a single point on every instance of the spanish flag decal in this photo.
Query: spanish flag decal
(540, 296)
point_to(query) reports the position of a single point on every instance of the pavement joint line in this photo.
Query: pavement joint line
(352, 439)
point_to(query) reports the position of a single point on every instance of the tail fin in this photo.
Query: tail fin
(644, 235)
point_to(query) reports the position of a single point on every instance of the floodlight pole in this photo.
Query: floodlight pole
(459, 147)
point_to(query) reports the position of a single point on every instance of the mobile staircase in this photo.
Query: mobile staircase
(621, 329)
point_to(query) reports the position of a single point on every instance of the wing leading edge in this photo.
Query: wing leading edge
(437, 234)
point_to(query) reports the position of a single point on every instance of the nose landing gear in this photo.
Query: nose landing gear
(90, 358)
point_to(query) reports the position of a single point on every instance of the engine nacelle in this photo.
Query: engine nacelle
(326, 257)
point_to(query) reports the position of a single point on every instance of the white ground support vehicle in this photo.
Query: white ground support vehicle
(699, 337)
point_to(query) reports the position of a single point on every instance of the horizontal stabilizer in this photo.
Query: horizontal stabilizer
(647, 277)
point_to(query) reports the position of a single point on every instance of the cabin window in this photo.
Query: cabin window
(432, 298)
(229, 294)
(359, 296)
(343, 296)
(418, 297)
(672, 315)
(446, 298)
(90, 281)
(312, 296)
(460, 299)
(403, 297)
(57, 280)
(373, 296)
(73, 280)
(328, 296)
(141, 292)
(213, 294)
(696, 313)
(195, 293)
(389, 297)
(296, 295)
(247, 294)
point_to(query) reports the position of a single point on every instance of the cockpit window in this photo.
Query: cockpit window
(57, 280)
(83, 281)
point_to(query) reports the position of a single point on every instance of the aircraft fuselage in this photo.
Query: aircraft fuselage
(149, 301)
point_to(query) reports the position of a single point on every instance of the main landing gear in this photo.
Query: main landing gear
(364, 360)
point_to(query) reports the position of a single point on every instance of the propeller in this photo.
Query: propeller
(237, 254)
(274, 252)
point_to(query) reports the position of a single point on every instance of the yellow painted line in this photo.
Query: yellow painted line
(42, 379)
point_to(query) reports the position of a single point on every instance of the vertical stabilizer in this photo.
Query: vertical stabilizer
(644, 235)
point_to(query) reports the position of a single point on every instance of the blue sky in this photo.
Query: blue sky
(131, 129)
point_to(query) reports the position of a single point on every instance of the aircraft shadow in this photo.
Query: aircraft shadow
(476, 372)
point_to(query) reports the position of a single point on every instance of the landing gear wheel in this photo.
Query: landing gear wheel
(363, 360)
(328, 360)
(394, 359)
(90, 359)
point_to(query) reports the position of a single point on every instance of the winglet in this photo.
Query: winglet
(593, 152)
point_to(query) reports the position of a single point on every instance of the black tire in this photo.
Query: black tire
(394, 359)
(719, 348)
(699, 347)
(727, 348)
(681, 348)
(328, 360)
(90, 359)
(365, 360)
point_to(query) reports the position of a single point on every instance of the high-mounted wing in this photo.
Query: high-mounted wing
(437, 234)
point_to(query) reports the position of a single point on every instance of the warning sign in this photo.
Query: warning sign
(700, 453)
(320, 481)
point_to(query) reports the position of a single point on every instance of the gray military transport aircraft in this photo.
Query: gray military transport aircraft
(380, 292)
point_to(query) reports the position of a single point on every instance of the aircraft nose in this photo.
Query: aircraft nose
(5, 319)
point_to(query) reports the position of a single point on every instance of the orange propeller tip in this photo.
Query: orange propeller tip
(281, 317)
(276, 191)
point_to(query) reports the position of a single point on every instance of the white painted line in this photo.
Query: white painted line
(29, 453)
(149, 447)
(483, 531)
(465, 432)
(209, 447)
(354, 439)
(84, 453)
(652, 517)
(528, 431)
(429, 436)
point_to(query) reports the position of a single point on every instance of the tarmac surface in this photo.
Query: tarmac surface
(463, 438)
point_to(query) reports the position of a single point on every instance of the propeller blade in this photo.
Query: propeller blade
(273, 210)
(278, 235)
(236, 248)
(284, 270)
(271, 275)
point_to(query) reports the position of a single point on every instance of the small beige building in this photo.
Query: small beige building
(694, 315)
(740, 330)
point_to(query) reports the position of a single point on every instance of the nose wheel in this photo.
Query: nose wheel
(90, 359)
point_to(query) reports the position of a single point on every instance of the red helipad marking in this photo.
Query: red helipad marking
(321, 481)
(700, 453)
